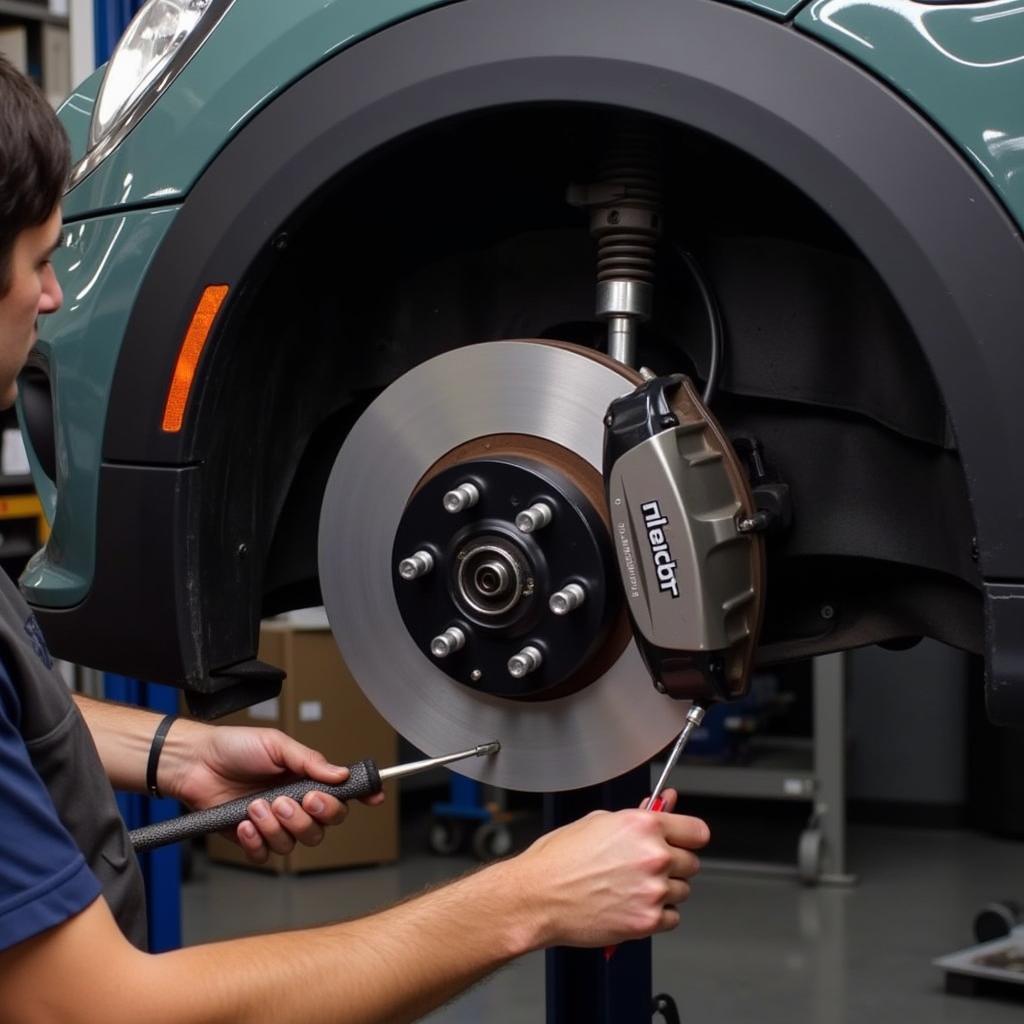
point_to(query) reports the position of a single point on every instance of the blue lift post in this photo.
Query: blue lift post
(161, 868)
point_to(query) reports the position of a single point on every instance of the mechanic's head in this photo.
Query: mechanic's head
(34, 163)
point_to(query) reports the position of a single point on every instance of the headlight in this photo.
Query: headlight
(159, 42)
(154, 36)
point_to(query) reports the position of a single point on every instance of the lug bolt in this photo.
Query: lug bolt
(450, 641)
(753, 523)
(417, 565)
(526, 661)
(568, 599)
(536, 517)
(462, 497)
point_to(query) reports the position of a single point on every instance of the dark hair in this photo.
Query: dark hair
(34, 161)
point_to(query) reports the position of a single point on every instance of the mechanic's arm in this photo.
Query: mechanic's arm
(203, 765)
(604, 879)
(123, 735)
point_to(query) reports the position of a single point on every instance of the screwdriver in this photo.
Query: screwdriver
(364, 779)
(694, 717)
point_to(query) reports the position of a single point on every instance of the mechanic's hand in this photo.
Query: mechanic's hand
(221, 763)
(610, 877)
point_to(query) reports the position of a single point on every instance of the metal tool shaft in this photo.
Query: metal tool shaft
(694, 717)
(399, 771)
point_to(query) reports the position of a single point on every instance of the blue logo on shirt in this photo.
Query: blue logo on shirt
(35, 636)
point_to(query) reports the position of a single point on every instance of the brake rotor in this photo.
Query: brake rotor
(522, 422)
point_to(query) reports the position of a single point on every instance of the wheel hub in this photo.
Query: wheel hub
(527, 534)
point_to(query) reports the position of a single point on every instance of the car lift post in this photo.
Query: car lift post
(582, 984)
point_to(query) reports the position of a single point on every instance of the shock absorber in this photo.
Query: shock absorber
(625, 219)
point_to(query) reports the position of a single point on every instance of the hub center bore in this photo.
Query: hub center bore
(490, 578)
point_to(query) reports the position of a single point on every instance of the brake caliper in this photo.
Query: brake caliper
(685, 531)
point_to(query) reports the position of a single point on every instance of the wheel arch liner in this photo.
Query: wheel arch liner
(838, 134)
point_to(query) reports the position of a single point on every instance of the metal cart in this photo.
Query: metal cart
(811, 770)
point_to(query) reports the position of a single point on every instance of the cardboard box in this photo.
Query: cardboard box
(322, 706)
(14, 46)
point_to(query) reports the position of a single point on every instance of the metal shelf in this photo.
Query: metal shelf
(775, 772)
(31, 12)
(17, 483)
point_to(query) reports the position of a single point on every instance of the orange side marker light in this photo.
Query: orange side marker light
(188, 358)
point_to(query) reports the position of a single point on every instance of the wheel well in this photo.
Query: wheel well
(462, 234)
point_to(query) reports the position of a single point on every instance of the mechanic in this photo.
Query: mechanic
(72, 916)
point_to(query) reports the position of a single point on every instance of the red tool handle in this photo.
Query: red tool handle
(657, 804)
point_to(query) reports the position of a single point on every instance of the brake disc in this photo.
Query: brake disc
(522, 422)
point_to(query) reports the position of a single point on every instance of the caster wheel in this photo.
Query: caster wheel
(996, 920)
(446, 837)
(665, 1005)
(492, 841)
(810, 853)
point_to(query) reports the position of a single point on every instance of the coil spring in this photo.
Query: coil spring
(627, 227)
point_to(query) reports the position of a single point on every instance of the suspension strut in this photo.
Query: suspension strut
(625, 219)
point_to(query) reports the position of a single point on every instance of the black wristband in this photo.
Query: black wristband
(154, 752)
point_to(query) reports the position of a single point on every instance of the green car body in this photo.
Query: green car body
(953, 71)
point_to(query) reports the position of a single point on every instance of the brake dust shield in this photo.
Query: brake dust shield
(507, 408)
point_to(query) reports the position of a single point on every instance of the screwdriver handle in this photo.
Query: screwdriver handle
(363, 780)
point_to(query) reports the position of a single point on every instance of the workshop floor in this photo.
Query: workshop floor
(749, 950)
